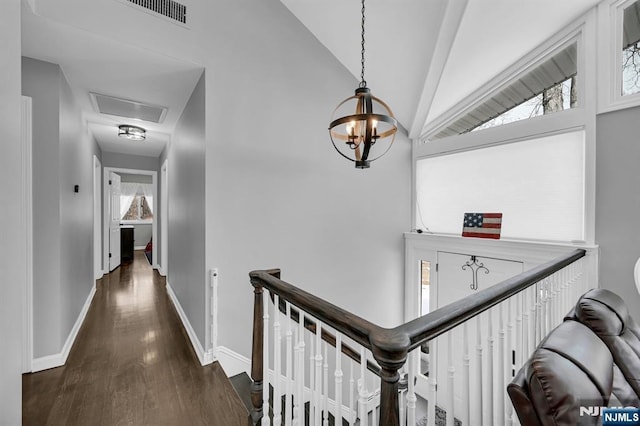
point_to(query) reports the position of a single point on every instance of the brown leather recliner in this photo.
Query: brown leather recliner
(606, 314)
(571, 368)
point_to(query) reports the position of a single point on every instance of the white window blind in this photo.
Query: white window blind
(537, 184)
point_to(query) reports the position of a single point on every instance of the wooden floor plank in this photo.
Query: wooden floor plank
(131, 364)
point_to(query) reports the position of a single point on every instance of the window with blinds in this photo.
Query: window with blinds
(631, 49)
(547, 88)
(538, 185)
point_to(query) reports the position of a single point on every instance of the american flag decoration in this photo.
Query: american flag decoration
(482, 225)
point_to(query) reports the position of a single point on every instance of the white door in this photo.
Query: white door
(114, 221)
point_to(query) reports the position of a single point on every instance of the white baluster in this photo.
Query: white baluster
(288, 400)
(414, 359)
(277, 363)
(312, 379)
(525, 325)
(479, 391)
(532, 318)
(318, 394)
(265, 358)
(325, 389)
(337, 374)
(538, 330)
(298, 409)
(433, 383)
(352, 392)
(501, 348)
(466, 386)
(450, 379)
(518, 335)
(510, 364)
(362, 390)
(490, 377)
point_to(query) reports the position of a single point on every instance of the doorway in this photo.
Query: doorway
(113, 220)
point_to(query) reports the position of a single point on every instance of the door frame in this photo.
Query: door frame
(164, 219)
(97, 219)
(27, 208)
(106, 205)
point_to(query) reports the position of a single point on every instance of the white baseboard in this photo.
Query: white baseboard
(139, 247)
(232, 362)
(204, 357)
(59, 359)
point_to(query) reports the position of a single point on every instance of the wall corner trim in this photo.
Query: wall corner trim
(205, 358)
(59, 359)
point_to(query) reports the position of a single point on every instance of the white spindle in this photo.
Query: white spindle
(265, 357)
(312, 379)
(362, 390)
(519, 331)
(288, 401)
(501, 348)
(450, 379)
(510, 364)
(414, 359)
(337, 374)
(525, 324)
(532, 319)
(490, 378)
(325, 388)
(466, 391)
(298, 410)
(352, 392)
(478, 392)
(318, 394)
(538, 306)
(433, 388)
(277, 363)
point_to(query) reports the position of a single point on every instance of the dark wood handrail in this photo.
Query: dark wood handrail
(390, 346)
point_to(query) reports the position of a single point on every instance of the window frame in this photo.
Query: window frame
(582, 117)
(137, 221)
(610, 26)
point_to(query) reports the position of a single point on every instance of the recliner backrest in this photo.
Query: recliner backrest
(571, 368)
(606, 314)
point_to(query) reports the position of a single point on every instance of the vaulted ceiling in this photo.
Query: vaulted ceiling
(422, 56)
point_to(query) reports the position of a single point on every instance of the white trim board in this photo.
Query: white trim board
(59, 359)
(205, 358)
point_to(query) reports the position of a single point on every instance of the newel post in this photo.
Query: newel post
(256, 353)
(390, 351)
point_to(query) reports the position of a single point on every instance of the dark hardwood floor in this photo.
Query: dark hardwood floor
(131, 364)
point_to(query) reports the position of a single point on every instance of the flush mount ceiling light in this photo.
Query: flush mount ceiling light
(133, 133)
(362, 122)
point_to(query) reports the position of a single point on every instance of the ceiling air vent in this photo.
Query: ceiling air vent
(126, 108)
(169, 8)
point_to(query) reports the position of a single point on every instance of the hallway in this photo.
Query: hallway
(132, 364)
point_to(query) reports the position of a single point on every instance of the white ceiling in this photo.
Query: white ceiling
(96, 63)
(422, 56)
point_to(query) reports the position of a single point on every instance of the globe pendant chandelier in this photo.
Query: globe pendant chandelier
(362, 121)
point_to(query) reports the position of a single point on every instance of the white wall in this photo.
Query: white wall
(41, 81)
(618, 202)
(12, 245)
(187, 211)
(278, 195)
(62, 219)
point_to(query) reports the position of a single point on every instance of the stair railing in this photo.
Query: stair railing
(517, 312)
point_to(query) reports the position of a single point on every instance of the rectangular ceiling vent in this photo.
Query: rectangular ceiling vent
(129, 109)
(169, 8)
